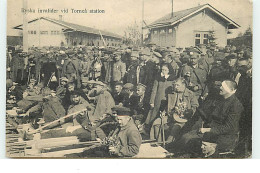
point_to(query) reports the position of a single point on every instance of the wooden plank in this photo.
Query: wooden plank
(63, 152)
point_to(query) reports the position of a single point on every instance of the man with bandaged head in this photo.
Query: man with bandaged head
(219, 126)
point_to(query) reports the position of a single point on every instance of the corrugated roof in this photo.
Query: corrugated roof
(179, 15)
(76, 27)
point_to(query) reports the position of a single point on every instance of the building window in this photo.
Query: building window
(58, 33)
(44, 32)
(155, 32)
(201, 38)
(162, 31)
(34, 32)
(170, 30)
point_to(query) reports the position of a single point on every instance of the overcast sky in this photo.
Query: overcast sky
(121, 13)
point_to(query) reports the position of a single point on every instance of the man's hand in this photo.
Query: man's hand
(204, 130)
(196, 88)
(112, 150)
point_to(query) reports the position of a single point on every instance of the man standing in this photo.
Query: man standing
(119, 68)
(127, 137)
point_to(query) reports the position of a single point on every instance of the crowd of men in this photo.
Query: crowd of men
(198, 100)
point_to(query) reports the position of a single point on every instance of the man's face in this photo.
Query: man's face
(98, 88)
(194, 60)
(242, 66)
(75, 99)
(118, 88)
(165, 70)
(140, 91)
(71, 88)
(240, 54)
(167, 59)
(232, 62)
(223, 91)
(179, 86)
(63, 83)
(123, 120)
(133, 58)
(117, 57)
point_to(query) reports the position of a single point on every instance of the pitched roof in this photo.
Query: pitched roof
(75, 27)
(178, 16)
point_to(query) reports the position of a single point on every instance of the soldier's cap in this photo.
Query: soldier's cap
(151, 44)
(70, 52)
(240, 51)
(231, 56)
(32, 80)
(140, 85)
(119, 83)
(145, 52)
(172, 50)
(99, 83)
(75, 93)
(128, 86)
(194, 51)
(117, 52)
(134, 54)
(121, 111)
(157, 54)
(62, 52)
(84, 79)
(64, 79)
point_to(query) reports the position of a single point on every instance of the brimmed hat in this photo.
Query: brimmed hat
(140, 85)
(157, 54)
(121, 111)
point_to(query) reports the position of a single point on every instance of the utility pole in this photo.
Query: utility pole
(172, 8)
(142, 35)
(25, 28)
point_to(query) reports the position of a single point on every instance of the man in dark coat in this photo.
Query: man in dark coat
(127, 137)
(220, 125)
(119, 95)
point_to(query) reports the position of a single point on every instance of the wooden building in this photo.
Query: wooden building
(191, 27)
(45, 31)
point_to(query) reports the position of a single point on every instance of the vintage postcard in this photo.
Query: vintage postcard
(129, 79)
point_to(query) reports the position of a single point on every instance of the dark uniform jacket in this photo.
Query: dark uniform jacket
(224, 123)
(128, 140)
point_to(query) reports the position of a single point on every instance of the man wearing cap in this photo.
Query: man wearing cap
(167, 58)
(127, 137)
(62, 88)
(17, 66)
(195, 74)
(119, 68)
(70, 68)
(220, 124)
(244, 94)
(102, 99)
(119, 95)
(232, 65)
(131, 99)
(132, 69)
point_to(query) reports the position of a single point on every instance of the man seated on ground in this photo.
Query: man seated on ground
(49, 108)
(78, 125)
(127, 139)
(220, 124)
(102, 99)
